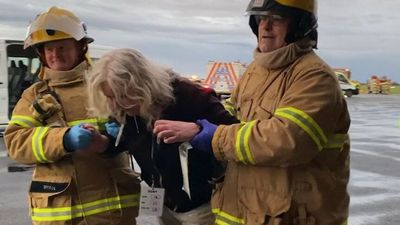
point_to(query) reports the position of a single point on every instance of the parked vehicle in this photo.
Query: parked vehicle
(379, 85)
(348, 87)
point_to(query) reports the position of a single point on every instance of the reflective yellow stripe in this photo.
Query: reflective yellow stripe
(97, 123)
(242, 143)
(336, 140)
(87, 209)
(304, 121)
(223, 218)
(37, 144)
(24, 121)
(229, 107)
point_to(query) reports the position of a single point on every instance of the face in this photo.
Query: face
(272, 30)
(62, 55)
(134, 106)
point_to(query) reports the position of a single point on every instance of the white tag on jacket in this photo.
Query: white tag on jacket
(183, 156)
(151, 201)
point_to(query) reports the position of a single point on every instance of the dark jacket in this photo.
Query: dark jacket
(192, 102)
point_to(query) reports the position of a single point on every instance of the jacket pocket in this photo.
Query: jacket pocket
(266, 108)
(264, 207)
(50, 193)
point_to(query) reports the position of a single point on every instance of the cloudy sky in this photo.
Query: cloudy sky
(362, 35)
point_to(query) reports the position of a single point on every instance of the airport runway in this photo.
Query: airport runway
(375, 167)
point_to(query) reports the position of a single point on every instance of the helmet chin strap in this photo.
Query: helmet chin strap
(311, 29)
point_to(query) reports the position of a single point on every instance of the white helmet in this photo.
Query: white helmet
(55, 24)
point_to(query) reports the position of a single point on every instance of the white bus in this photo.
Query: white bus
(18, 69)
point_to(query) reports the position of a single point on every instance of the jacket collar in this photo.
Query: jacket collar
(57, 78)
(282, 57)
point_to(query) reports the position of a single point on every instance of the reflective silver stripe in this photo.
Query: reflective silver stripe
(304, 121)
(242, 143)
(87, 209)
(223, 218)
(37, 144)
(24, 121)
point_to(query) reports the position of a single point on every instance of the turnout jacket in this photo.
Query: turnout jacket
(288, 159)
(160, 163)
(68, 188)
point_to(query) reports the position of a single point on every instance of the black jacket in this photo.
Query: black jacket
(192, 102)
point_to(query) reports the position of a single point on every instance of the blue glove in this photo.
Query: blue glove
(76, 138)
(202, 140)
(112, 129)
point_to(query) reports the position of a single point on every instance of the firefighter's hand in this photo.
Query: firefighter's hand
(112, 129)
(202, 140)
(170, 131)
(77, 137)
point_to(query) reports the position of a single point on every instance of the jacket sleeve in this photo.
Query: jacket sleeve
(203, 103)
(28, 140)
(310, 117)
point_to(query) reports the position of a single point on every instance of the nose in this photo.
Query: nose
(57, 52)
(54, 52)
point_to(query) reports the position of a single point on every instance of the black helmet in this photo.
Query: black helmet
(302, 14)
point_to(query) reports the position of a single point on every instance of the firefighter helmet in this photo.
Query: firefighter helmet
(55, 24)
(258, 7)
(303, 15)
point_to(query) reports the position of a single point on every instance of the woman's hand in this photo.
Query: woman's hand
(99, 142)
(175, 131)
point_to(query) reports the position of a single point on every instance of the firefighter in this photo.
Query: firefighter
(288, 159)
(72, 183)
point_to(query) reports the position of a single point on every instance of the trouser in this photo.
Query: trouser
(201, 215)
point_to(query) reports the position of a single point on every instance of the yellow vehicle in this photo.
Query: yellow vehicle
(348, 87)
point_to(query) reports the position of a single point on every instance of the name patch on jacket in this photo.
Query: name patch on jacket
(47, 187)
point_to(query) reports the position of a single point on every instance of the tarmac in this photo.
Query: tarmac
(374, 184)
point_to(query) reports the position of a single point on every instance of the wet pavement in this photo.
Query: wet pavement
(375, 160)
(375, 167)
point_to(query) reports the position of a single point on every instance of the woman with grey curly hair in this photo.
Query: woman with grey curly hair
(138, 94)
(144, 88)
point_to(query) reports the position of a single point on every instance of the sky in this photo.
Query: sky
(361, 35)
